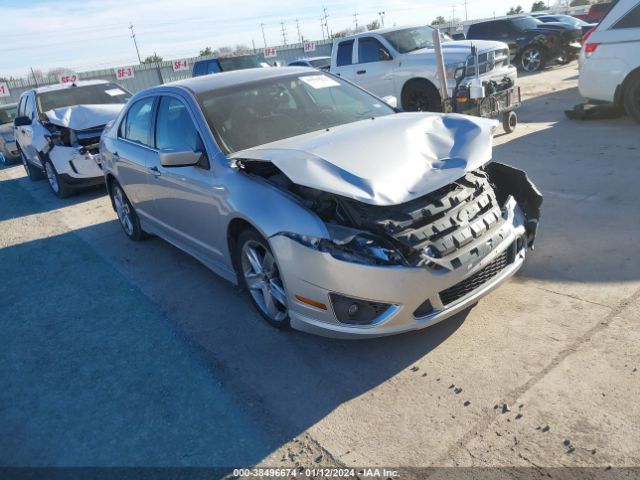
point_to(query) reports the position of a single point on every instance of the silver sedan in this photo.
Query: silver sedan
(337, 213)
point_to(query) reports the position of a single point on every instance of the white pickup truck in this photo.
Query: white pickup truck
(401, 62)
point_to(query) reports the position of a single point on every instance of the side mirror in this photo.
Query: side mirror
(179, 157)
(460, 73)
(22, 121)
(384, 55)
(391, 101)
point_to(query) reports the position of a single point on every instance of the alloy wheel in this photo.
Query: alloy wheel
(123, 210)
(263, 280)
(531, 60)
(51, 177)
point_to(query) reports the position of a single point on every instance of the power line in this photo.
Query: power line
(264, 37)
(355, 19)
(284, 33)
(300, 39)
(326, 24)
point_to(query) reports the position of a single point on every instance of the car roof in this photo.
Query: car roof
(206, 83)
(60, 86)
(382, 31)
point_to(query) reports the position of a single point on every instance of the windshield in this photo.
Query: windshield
(409, 39)
(7, 114)
(238, 63)
(256, 113)
(104, 93)
(526, 23)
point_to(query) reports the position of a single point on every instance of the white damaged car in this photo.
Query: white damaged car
(58, 129)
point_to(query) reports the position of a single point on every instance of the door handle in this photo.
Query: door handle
(360, 72)
(155, 171)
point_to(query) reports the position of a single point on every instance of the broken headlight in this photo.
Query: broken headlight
(358, 247)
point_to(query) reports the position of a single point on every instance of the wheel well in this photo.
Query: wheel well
(109, 181)
(236, 227)
(632, 74)
(418, 81)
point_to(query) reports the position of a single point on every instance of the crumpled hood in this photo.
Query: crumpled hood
(83, 117)
(385, 161)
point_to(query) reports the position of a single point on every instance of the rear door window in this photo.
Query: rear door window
(630, 20)
(137, 125)
(345, 53)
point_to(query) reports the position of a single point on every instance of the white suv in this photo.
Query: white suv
(58, 129)
(609, 59)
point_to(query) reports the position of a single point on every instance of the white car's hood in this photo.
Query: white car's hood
(83, 117)
(385, 161)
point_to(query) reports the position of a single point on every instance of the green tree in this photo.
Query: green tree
(206, 52)
(539, 6)
(155, 58)
(439, 20)
(578, 3)
(373, 25)
(515, 11)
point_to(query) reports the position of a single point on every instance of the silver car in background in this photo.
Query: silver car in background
(8, 148)
(337, 213)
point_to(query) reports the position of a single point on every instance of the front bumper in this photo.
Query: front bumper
(74, 167)
(314, 275)
(10, 150)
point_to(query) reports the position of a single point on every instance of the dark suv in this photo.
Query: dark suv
(532, 43)
(225, 64)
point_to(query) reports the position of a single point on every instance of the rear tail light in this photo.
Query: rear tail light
(589, 48)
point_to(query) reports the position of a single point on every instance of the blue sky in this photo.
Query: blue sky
(92, 34)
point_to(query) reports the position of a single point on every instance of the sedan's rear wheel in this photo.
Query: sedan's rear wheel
(632, 98)
(127, 216)
(532, 59)
(260, 276)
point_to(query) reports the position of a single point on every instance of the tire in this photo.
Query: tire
(532, 59)
(127, 216)
(632, 98)
(509, 121)
(565, 58)
(34, 173)
(3, 160)
(421, 96)
(58, 186)
(259, 276)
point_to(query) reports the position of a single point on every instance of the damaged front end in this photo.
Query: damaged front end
(454, 227)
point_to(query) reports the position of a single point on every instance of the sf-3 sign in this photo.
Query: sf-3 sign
(122, 73)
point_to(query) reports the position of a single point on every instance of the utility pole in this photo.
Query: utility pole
(322, 27)
(264, 37)
(355, 19)
(284, 33)
(466, 15)
(453, 15)
(326, 24)
(381, 14)
(253, 42)
(133, 35)
(300, 39)
(35, 79)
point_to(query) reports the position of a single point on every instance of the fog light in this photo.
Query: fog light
(355, 311)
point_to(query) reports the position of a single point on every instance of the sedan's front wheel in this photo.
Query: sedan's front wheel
(260, 276)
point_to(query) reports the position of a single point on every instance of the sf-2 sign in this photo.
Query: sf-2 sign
(180, 65)
(270, 52)
(4, 90)
(122, 73)
(68, 78)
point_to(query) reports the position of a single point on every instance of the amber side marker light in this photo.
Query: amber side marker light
(313, 303)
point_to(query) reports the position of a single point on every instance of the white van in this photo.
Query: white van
(609, 59)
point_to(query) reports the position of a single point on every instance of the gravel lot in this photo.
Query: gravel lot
(117, 353)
